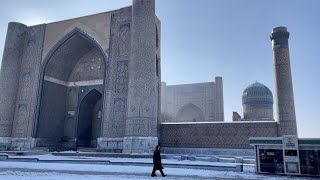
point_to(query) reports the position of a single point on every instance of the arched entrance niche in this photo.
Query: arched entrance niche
(89, 119)
(190, 113)
(75, 63)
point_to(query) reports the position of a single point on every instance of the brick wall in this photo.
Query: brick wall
(214, 134)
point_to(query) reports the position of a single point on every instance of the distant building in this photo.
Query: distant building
(199, 102)
(257, 101)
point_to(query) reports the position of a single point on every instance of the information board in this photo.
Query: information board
(291, 154)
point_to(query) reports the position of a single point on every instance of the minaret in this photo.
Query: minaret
(141, 125)
(286, 115)
(9, 77)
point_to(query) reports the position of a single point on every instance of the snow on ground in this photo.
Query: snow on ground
(63, 171)
(58, 176)
(12, 175)
(133, 160)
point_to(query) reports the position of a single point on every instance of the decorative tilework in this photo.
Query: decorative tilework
(124, 39)
(120, 105)
(142, 94)
(122, 77)
(28, 83)
(110, 144)
(119, 56)
(89, 67)
(280, 38)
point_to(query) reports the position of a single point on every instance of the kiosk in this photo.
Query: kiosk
(287, 155)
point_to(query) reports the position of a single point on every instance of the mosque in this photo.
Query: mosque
(95, 82)
(203, 102)
(257, 120)
(91, 81)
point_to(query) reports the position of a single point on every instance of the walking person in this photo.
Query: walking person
(157, 165)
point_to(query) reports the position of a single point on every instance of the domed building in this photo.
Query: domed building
(257, 101)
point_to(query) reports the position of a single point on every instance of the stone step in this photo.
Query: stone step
(40, 149)
(249, 161)
(3, 156)
(226, 160)
(101, 154)
(87, 149)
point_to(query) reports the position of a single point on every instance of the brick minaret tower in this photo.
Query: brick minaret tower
(286, 115)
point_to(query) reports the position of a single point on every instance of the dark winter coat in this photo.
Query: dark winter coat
(157, 160)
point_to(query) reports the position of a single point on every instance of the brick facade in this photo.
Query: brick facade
(214, 135)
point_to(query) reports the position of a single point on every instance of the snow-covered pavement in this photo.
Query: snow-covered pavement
(62, 171)
(124, 160)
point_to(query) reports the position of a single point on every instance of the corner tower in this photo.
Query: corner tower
(141, 124)
(9, 77)
(286, 115)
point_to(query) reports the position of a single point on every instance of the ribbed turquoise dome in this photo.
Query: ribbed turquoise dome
(257, 93)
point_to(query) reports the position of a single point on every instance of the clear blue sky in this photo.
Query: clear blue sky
(205, 38)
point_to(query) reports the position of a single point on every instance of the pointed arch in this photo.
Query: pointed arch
(76, 25)
(62, 41)
(89, 119)
(190, 113)
(75, 33)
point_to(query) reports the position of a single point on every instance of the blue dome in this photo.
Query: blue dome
(257, 93)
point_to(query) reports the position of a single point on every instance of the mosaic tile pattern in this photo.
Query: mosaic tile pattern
(90, 67)
(28, 83)
(142, 94)
(122, 77)
(119, 56)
